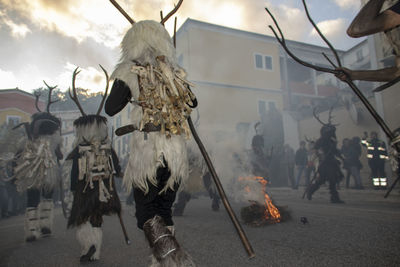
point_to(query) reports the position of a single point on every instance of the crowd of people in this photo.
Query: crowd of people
(299, 167)
(306, 160)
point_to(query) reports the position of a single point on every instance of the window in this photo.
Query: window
(263, 62)
(259, 63)
(13, 120)
(268, 62)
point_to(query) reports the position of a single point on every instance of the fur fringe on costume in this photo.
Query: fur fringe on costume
(46, 216)
(90, 128)
(37, 165)
(88, 236)
(166, 250)
(68, 196)
(31, 224)
(87, 206)
(142, 167)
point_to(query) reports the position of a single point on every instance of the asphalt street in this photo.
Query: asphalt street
(365, 231)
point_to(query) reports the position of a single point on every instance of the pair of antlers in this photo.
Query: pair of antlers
(163, 19)
(74, 95)
(49, 101)
(329, 118)
(336, 69)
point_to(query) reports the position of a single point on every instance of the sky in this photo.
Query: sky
(47, 39)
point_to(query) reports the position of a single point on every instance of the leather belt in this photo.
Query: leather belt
(148, 127)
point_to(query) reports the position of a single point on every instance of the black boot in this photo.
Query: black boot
(335, 198)
(88, 255)
(179, 206)
(311, 189)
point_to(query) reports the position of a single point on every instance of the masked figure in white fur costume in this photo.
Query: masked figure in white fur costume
(36, 170)
(92, 179)
(149, 77)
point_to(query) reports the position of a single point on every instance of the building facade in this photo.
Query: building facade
(240, 75)
(17, 106)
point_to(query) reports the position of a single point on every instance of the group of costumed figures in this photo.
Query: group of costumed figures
(149, 78)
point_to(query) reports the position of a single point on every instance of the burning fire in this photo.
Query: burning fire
(271, 213)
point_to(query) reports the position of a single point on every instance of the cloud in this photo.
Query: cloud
(348, 4)
(7, 79)
(88, 78)
(46, 39)
(332, 29)
(17, 30)
(72, 18)
(292, 21)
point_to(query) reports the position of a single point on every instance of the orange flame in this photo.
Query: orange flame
(271, 212)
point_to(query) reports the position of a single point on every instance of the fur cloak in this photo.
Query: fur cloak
(142, 44)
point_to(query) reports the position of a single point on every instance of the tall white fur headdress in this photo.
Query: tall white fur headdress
(143, 42)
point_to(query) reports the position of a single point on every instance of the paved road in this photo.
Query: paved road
(363, 232)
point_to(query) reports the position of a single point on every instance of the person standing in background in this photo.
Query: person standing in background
(345, 150)
(301, 161)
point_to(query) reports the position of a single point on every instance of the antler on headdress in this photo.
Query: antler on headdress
(163, 20)
(74, 97)
(122, 11)
(49, 102)
(37, 95)
(106, 91)
(329, 117)
(173, 11)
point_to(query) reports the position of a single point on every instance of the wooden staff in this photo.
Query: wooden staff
(221, 192)
(128, 242)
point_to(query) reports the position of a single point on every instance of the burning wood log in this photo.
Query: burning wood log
(258, 214)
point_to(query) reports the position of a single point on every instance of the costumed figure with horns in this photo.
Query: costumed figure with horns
(94, 164)
(36, 170)
(149, 77)
(329, 166)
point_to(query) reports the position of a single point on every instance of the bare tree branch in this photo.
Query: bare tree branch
(321, 35)
(351, 84)
(283, 43)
